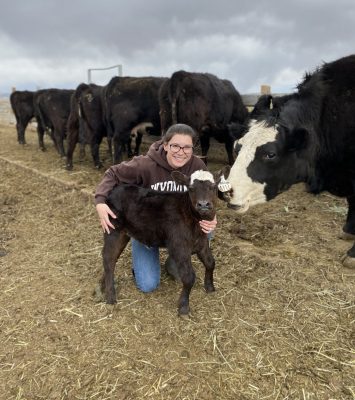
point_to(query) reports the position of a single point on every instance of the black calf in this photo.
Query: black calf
(164, 219)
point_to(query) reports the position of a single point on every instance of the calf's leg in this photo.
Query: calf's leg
(114, 244)
(187, 275)
(206, 257)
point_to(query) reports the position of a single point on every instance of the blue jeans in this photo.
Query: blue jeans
(146, 265)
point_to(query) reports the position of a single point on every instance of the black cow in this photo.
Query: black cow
(52, 109)
(22, 106)
(163, 219)
(311, 140)
(263, 105)
(86, 122)
(127, 102)
(206, 103)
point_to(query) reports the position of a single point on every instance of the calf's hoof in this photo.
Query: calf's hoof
(69, 167)
(97, 294)
(210, 288)
(348, 262)
(346, 236)
(184, 310)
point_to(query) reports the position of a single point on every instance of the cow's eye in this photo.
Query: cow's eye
(269, 156)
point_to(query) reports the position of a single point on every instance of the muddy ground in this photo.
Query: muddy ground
(279, 326)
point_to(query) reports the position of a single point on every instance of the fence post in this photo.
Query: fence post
(265, 89)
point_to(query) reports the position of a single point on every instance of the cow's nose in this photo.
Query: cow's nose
(234, 206)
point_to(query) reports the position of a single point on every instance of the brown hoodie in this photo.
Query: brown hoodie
(151, 170)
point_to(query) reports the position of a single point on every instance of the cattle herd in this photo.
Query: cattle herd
(307, 136)
(126, 108)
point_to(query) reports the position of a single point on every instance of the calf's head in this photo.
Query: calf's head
(202, 188)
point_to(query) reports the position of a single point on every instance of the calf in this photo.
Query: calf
(164, 219)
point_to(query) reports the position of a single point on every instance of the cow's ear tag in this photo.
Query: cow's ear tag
(224, 185)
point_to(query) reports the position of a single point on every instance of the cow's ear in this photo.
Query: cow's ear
(297, 139)
(180, 178)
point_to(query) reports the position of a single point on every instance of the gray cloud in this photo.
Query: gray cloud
(47, 43)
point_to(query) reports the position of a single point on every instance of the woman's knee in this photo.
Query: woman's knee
(147, 285)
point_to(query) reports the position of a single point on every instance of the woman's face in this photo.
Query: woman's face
(179, 150)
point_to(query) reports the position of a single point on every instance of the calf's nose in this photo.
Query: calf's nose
(204, 204)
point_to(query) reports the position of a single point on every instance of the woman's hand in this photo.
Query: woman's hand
(105, 213)
(208, 226)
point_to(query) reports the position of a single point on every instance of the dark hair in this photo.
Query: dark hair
(181, 129)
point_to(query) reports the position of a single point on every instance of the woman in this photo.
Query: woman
(153, 170)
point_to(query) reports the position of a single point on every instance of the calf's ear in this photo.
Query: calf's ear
(296, 139)
(224, 172)
(180, 178)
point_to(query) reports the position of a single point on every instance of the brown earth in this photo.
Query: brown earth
(279, 326)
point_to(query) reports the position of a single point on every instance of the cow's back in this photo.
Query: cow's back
(22, 103)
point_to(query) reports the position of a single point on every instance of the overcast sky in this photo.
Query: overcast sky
(52, 43)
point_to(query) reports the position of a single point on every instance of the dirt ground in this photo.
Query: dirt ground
(279, 326)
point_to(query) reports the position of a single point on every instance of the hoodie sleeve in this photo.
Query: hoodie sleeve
(125, 172)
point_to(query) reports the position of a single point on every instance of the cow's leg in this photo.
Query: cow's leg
(205, 145)
(109, 147)
(58, 138)
(95, 147)
(21, 127)
(40, 133)
(349, 258)
(229, 149)
(81, 151)
(129, 148)
(118, 147)
(114, 244)
(206, 257)
(138, 143)
(72, 140)
(349, 227)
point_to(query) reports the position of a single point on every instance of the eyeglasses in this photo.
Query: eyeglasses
(175, 148)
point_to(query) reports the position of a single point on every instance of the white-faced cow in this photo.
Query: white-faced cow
(312, 140)
(164, 219)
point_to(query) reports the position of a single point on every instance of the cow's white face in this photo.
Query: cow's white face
(248, 187)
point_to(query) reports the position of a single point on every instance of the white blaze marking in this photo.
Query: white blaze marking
(247, 192)
(201, 176)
